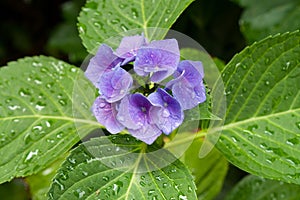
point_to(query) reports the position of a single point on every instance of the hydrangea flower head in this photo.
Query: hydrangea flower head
(153, 110)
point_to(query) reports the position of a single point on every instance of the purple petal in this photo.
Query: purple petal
(166, 112)
(188, 88)
(148, 133)
(133, 111)
(104, 60)
(159, 57)
(129, 46)
(115, 84)
(134, 114)
(105, 114)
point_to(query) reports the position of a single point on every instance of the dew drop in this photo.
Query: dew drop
(37, 64)
(150, 192)
(79, 193)
(134, 13)
(142, 183)
(102, 105)
(268, 131)
(267, 83)
(292, 141)
(24, 92)
(84, 173)
(252, 153)
(38, 81)
(115, 21)
(190, 189)
(182, 197)
(105, 178)
(252, 127)
(30, 155)
(124, 28)
(51, 141)
(40, 106)
(271, 160)
(298, 125)
(121, 6)
(59, 135)
(121, 119)
(267, 60)
(117, 187)
(62, 102)
(234, 139)
(263, 145)
(166, 113)
(82, 28)
(98, 25)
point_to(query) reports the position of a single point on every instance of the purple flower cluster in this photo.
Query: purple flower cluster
(145, 116)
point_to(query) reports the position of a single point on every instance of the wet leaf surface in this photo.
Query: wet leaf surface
(120, 167)
(261, 134)
(39, 118)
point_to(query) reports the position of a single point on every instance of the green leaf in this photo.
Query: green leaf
(99, 19)
(120, 167)
(257, 188)
(261, 134)
(263, 18)
(40, 114)
(39, 184)
(208, 172)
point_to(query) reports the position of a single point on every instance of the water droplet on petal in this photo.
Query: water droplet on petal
(166, 113)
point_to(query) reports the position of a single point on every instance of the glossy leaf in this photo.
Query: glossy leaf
(263, 18)
(37, 108)
(100, 20)
(120, 167)
(39, 184)
(257, 188)
(261, 134)
(208, 172)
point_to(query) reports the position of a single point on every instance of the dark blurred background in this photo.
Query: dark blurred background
(48, 27)
(35, 27)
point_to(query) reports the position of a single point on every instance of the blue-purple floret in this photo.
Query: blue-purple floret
(145, 116)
